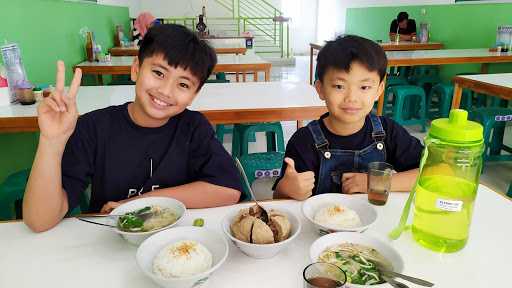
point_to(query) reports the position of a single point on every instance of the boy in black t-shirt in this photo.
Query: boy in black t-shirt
(331, 155)
(153, 146)
(404, 26)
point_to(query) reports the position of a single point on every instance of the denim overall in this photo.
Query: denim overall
(335, 162)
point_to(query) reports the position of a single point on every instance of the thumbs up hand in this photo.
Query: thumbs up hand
(296, 185)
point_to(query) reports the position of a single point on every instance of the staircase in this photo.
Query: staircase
(271, 36)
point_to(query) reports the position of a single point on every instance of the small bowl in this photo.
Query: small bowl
(382, 247)
(149, 249)
(366, 212)
(262, 251)
(163, 202)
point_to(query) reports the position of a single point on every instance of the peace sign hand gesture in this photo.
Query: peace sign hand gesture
(57, 114)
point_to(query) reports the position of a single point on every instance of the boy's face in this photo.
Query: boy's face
(162, 91)
(349, 96)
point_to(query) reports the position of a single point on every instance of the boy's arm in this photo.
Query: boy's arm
(197, 194)
(358, 182)
(45, 202)
(404, 181)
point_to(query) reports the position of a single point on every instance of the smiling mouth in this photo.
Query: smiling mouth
(159, 102)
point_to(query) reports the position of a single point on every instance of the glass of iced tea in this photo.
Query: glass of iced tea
(379, 182)
(323, 275)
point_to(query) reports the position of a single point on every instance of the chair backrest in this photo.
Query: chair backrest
(11, 196)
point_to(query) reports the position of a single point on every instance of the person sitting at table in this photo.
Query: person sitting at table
(141, 25)
(153, 146)
(331, 155)
(404, 26)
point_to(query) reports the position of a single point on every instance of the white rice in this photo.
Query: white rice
(182, 259)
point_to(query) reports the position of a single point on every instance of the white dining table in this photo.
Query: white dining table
(219, 102)
(78, 254)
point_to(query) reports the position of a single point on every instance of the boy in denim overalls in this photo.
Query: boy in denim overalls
(331, 155)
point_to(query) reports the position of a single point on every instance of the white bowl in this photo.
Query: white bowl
(163, 202)
(149, 249)
(382, 247)
(366, 212)
(262, 251)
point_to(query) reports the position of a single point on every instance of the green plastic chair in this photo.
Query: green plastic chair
(439, 100)
(493, 132)
(509, 193)
(391, 81)
(260, 165)
(242, 133)
(402, 97)
(11, 197)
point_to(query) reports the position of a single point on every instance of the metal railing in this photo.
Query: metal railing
(255, 16)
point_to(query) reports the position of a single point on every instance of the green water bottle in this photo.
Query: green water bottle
(446, 188)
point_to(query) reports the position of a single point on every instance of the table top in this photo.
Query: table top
(499, 79)
(400, 46)
(77, 254)
(220, 102)
(446, 56)
(225, 63)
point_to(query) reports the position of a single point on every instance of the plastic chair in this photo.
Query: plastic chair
(11, 197)
(492, 128)
(403, 96)
(260, 165)
(242, 133)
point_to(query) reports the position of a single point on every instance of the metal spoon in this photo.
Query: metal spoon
(143, 215)
(407, 278)
(264, 214)
(394, 283)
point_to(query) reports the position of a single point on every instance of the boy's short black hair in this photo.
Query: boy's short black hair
(181, 48)
(345, 50)
(402, 16)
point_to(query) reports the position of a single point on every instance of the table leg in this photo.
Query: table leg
(484, 69)
(244, 77)
(311, 65)
(457, 94)
(237, 77)
(100, 79)
(380, 104)
(267, 75)
(255, 76)
(300, 124)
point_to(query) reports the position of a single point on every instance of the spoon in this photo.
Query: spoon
(143, 214)
(264, 214)
(407, 278)
(394, 283)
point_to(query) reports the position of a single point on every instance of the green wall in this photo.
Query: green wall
(48, 30)
(455, 25)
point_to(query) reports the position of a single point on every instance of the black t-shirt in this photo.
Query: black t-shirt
(411, 27)
(403, 150)
(122, 159)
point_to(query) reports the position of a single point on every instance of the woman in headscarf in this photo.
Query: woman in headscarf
(141, 25)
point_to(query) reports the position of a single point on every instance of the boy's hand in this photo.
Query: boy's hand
(57, 114)
(300, 184)
(109, 206)
(354, 183)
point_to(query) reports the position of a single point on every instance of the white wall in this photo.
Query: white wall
(133, 5)
(303, 24)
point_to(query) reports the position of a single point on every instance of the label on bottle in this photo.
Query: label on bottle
(449, 205)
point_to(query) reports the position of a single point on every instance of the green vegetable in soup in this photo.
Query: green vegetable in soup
(358, 261)
(146, 219)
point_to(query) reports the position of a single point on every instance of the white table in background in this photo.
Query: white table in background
(77, 254)
(219, 102)
(121, 65)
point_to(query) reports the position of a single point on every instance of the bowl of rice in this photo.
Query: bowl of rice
(333, 212)
(182, 257)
